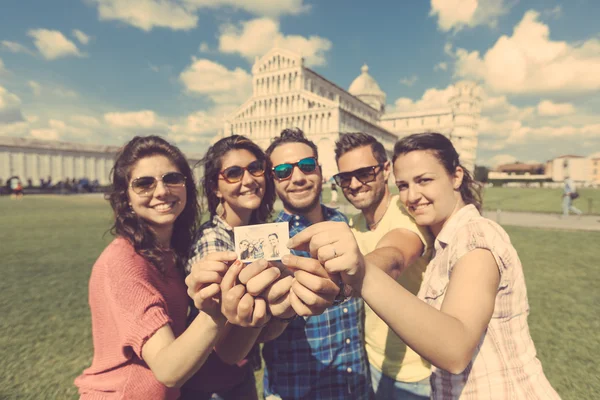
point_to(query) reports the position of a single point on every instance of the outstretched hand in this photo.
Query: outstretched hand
(333, 244)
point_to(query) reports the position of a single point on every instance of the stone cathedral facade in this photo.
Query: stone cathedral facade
(285, 93)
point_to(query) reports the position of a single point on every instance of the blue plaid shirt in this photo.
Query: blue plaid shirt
(320, 357)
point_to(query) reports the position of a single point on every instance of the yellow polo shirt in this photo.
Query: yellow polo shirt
(386, 351)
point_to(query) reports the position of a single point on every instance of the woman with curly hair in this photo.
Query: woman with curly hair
(238, 193)
(137, 293)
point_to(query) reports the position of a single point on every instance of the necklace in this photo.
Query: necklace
(374, 224)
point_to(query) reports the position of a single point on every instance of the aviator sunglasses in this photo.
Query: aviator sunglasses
(145, 185)
(363, 175)
(235, 173)
(284, 171)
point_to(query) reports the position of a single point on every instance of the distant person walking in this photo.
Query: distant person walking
(569, 194)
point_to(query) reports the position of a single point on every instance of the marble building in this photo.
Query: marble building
(40, 159)
(288, 94)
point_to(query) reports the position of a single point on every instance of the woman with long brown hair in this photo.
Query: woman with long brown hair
(137, 294)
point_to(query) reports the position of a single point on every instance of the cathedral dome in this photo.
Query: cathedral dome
(365, 84)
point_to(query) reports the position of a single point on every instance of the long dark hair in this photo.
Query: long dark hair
(135, 229)
(213, 162)
(441, 147)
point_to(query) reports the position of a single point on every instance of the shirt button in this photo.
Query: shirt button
(348, 341)
(296, 223)
(349, 370)
(345, 310)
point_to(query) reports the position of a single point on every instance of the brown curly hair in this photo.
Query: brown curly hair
(212, 163)
(135, 229)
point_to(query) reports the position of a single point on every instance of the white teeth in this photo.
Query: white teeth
(164, 206)
(420, 206)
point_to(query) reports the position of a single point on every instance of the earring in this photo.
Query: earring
(131, 209)
(220, 209)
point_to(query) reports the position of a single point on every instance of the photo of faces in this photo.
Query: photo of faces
(268, 241)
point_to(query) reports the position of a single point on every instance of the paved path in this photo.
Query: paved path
(534, 220)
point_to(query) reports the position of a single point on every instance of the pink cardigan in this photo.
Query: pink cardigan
(129, 301)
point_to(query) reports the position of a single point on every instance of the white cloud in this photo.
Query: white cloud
(255, 37)
(528, 62)
(500, 159)
(15, 47)
(409, 81)
(82, 37)
(443, 66)
(270, 8)
(432, 98)
(144, 119)
(86, 120)
(458, 14)
(182, 14)
(45, 133)
(147, 14)
(35, 87)
(3, 69)
(203, 47)
(220, 84)
(201, 125)
(53, 44)
(549, 108)
(10, 107)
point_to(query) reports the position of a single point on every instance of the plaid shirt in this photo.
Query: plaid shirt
(504, 364)
(213, 236)
(320, 357)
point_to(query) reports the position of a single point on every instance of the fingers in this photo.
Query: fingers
(222, 256)
(260, 282)
(322, 286)
(253, 269)
(310, 299)
(309, 233)
(278, 289)
(309, 265)
(299, 307)
(244, 310)
(231, 277)
(260, 316)
(230, 301)
(199, 279)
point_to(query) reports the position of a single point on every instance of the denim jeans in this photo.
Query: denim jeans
(567, 205)
(386, 388)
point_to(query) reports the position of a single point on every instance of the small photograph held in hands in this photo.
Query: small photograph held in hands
(268, 241)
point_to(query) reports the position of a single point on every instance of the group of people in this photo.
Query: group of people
(417, 296)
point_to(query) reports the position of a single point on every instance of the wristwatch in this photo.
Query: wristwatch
(344, 295)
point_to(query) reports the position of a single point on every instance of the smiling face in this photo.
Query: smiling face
(364, 195)
(300, 193)
(427, 191)
(245, 196)
(161, 208)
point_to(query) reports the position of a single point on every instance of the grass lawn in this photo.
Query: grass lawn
(50, 243)
(538, 200)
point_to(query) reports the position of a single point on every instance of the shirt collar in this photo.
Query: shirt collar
(463, 215)
(221, 223)
(328, 214)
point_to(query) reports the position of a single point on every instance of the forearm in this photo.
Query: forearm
(388, 259)
(436, 336)
(237, 343)
(178, 361)
(272, 330)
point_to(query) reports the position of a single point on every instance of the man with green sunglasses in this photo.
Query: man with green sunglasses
(322, 356)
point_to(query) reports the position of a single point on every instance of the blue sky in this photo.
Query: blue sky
(99, 71)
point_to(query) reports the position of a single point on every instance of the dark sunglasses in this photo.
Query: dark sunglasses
(363, 175)
(235, 173)
(145, 185)
(284, 171)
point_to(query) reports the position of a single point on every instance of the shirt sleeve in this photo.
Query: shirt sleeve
(138, 307)
(483, 234)
(211, 240)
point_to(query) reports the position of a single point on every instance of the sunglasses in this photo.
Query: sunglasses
(284, 171)
(363, 175)
(235, 173)
(145, 185)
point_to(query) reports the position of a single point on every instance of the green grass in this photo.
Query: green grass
(538, 200)
(50, 243)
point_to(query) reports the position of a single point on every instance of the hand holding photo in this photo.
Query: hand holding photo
(268, 241)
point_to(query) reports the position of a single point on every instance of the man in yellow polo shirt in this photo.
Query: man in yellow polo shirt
(389, 238)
